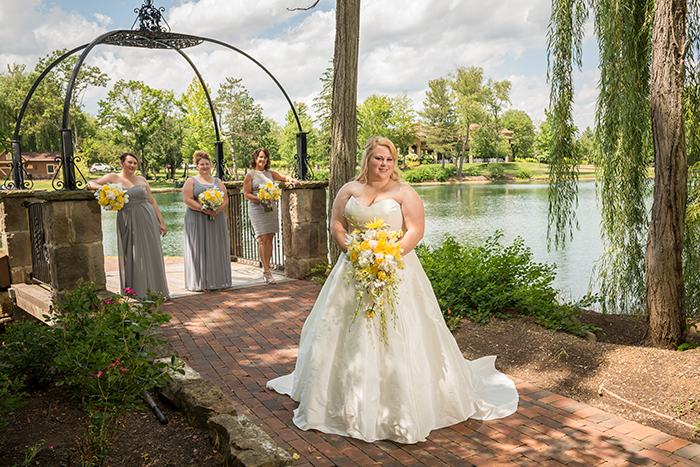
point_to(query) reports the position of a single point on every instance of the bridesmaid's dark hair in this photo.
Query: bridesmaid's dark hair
(199, 155)
(255, 156)
(127, 154)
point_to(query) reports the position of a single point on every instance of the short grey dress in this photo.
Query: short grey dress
(141, 264)
(207, 251)
(264, 222)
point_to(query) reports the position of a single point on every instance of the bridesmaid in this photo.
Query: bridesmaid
(265, 223)
(139, 227)
(207, 251)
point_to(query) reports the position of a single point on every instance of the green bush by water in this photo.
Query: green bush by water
(490, 281)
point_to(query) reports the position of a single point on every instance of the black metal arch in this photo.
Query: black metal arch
(155, 38)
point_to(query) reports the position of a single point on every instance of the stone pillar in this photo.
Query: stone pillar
(305, 228)
(16, 241)
(73, 229)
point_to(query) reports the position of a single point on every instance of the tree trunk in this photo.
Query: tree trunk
(665, 295)
(344, 109)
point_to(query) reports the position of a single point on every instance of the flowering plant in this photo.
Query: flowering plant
(375, 255)
(211, 199)
(268, 193)
(112, 197)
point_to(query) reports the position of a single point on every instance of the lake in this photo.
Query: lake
(470, 213)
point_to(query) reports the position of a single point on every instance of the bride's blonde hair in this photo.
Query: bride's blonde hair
(372, 143)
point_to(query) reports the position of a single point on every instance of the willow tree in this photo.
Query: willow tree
(642, 51)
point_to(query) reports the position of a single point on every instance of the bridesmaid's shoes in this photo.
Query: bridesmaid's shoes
(267, 277)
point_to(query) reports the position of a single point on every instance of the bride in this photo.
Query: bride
(347, 380)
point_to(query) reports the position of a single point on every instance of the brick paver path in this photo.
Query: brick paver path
(242, 338)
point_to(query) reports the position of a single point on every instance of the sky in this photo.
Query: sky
(403, 45)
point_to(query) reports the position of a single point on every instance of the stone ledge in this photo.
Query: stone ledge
(236, 437)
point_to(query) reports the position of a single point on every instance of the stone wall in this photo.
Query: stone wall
(73, 226)
(304, 214)
(14, 224)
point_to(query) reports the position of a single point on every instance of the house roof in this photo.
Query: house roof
(40, 156)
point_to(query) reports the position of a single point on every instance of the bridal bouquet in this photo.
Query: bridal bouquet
(268, 193)
(211, 199)
(111, 197)
(375, 256)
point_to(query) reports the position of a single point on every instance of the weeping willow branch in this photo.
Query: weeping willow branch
(564, 43)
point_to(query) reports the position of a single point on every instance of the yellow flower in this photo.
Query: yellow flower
(375, 224)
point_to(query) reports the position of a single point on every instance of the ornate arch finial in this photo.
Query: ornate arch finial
(149, 18)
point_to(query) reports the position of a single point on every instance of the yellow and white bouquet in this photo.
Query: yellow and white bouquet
(375, 255)
(112, 197)
(269, 193)
(211, 199)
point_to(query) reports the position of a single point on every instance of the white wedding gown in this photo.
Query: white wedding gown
(348, 382)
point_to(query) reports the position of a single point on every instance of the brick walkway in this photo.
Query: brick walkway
(242, 338)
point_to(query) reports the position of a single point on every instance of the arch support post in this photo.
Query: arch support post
(219, 160)
(69, 182)
(302, 157)
(18, 171)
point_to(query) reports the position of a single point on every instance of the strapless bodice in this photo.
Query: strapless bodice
(387, 209)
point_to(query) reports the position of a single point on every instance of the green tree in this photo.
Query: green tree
(468, 87)
(643, 49)
(43, 116)
(323, 108)
(200, 134)
(543, 141)
(486, 143)
(403, 123)
(585, 145)
(439, 117)
(520, 124)
(374, 117)
(497, 95)
(134, 113)
(242, 121)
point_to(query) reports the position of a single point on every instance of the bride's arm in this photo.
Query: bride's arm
(339, 224)
(413, 218)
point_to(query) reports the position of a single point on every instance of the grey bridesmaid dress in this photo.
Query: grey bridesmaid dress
(141, 264)
(207, 251)
(264, 221)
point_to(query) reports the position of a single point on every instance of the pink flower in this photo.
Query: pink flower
(109, 301)
(129, 291)
(98, 374)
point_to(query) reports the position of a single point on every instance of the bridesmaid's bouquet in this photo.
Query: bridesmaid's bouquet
(211, 199)
(269, 193)
(375, 255)
(111, 197)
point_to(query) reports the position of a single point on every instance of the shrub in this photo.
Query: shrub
(472, 171)
(103, 356)
(495, 171)
(11, 395)
(530, 159)
(27, 352)
(321, 175)
(523, 174)
(485, 282)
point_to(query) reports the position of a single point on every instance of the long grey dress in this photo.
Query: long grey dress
(207, 252)
(264, 222)
(141, 264)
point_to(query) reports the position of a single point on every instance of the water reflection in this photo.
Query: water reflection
(470, 213)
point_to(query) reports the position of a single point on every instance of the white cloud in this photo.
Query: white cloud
(403, 44)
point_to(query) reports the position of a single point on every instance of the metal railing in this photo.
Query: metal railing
(41, 271)
(244, 244)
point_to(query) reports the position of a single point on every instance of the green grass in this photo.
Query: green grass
(539, 171)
